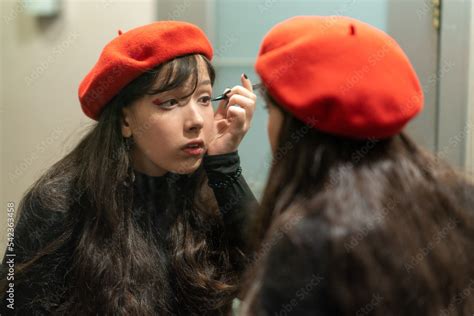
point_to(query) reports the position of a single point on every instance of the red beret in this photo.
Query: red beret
(132, 53)
(340, 75)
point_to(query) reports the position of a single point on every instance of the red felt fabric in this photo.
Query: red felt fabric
(131, 53)
(340, 75)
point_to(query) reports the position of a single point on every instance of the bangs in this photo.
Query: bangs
(181, 72)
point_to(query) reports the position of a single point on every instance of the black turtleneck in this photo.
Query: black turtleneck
(153, 196)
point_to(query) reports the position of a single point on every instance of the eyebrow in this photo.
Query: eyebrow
(205, 82)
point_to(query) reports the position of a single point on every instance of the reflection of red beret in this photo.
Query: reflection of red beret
(130, 54)
(341, 75)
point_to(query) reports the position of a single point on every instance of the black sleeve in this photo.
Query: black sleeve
(232, 193)
(293, 279)
(35, 229)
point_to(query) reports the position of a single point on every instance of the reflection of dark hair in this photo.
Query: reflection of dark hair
(117, 268)
(391, 219)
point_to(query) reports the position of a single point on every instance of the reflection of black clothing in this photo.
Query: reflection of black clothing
(37, 227)
(357, 261)
(294, 279)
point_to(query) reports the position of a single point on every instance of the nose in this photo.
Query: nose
(194, 120)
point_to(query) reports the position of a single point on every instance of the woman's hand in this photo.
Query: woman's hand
(232, 118)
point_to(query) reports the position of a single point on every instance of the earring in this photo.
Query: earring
(132, 176)
(128, 142)
(130, 179)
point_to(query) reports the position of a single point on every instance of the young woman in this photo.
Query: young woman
(356, 219)
(144, 216)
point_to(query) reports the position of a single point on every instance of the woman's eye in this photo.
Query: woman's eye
(205, 99)
(167, 104)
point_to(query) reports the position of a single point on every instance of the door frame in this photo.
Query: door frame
(454, 126)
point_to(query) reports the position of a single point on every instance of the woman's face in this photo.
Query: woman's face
(163, 125)
(275, 120)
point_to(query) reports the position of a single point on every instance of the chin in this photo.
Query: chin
(189, 167)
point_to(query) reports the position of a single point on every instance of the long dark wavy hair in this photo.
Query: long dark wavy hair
(393, 220)
(116, 267)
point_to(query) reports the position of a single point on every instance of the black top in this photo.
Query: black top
(294, 280)
(37, 227)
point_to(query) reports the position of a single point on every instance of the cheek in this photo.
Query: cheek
(208, 129)
(158, 138)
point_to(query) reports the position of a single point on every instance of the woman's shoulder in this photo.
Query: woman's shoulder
(39, 211)
(294, 269)
(42, 215)
(38, 239)
(302, 239)
(47, 201)
(315, 236)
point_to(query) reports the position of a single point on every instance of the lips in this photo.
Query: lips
(194, 144)
(194, 148)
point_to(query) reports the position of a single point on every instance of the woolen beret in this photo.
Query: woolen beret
(132, 53)
(340, 75)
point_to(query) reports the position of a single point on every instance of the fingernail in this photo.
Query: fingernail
(245, 76)
(227, 91)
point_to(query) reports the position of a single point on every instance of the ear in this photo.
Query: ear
(126, 119)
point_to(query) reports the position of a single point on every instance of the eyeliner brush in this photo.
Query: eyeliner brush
(224, 95)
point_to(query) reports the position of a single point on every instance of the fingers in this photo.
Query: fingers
(245, 103)
(242, 96)
(246, 82)
(243, 91)
(237, 118)
(221, 126)
(222, 107)
(221, 110)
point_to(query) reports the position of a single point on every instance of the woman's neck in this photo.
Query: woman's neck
(145, 166)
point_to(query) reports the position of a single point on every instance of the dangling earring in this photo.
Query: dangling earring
(132, 176)
(128, 142)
